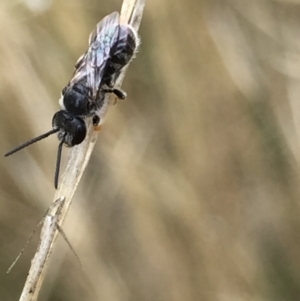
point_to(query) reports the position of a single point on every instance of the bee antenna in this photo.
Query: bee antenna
(36, 139)
(58, 159)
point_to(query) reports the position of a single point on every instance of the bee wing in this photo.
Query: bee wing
(109, 21)
(81, 69)
(101, 42)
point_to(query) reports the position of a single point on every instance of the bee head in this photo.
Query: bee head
(71, 129)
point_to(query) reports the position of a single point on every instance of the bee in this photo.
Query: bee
(112, 46)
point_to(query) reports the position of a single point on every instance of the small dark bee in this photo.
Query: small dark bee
(112, 46)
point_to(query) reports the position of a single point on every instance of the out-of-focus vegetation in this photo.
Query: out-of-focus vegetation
(192, 192)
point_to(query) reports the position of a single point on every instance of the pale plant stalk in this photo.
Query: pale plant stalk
(131, 13)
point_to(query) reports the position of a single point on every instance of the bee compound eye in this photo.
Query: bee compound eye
(79, 132)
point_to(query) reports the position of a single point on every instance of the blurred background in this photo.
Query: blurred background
(192, 192)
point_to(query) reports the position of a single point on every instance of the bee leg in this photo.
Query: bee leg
(118, 92)
(96, 120)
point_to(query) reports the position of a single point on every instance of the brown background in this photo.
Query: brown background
(192, 192)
